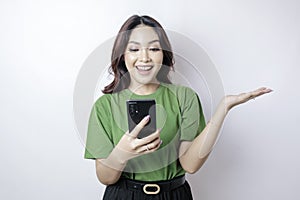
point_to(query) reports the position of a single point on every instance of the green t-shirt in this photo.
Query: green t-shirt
(178, 114)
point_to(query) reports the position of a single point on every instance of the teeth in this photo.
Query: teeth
(144, 68)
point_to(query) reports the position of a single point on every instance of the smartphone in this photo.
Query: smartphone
(137, 110)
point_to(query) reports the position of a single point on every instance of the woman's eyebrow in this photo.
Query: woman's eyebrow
(134, 42)
(153, 41)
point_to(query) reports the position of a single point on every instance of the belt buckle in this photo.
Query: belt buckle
(153, 186)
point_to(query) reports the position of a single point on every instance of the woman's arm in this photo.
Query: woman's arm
(194, 154)
(109, 170)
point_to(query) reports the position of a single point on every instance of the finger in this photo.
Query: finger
(263, 90)
(266, 90)
(137, 129)
(149, 138)
(260, 92)
(129, 135)
(142, 149)
(138, 143)
(150, 147)
(154, 146)
(156, 143)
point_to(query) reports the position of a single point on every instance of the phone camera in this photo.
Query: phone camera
(133, 110)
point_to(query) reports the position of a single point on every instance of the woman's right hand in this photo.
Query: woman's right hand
(130, 146)
(109, 169)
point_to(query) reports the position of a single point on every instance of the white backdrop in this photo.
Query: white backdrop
(253, 43)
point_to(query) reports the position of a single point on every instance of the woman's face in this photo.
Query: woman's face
(143, 55)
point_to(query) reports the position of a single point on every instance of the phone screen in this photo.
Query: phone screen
(137, 110)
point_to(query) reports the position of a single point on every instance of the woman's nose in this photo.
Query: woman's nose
(144, 57)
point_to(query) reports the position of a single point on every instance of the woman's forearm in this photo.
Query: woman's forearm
(109, 170)
(193, 154)
(208, 137)
(196, 152)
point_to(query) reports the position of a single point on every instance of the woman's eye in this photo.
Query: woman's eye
(133, 49)
(154, 49)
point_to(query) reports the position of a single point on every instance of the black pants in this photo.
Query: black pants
(119, 192)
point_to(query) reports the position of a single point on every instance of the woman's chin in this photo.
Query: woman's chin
(146, 81)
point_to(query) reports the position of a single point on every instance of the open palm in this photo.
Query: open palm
(234, 100)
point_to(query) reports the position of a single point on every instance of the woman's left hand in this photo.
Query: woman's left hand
(234, 100)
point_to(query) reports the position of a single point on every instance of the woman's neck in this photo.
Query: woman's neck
(144, 89)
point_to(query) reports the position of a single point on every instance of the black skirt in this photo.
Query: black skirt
(134, 190)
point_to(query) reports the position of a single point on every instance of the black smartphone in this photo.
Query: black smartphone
(137, 110)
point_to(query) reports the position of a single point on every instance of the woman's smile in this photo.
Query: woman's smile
(144, 69)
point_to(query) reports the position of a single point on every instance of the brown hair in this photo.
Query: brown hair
(118, 68)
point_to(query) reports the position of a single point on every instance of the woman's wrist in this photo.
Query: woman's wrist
(227, 103)
(224, 106)
(120, 155)
(116, 159)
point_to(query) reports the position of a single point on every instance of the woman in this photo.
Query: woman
(152, 167)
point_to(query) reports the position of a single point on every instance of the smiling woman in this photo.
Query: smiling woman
(129, 42)
(152, 167)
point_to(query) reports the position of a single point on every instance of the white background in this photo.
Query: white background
(253, 43)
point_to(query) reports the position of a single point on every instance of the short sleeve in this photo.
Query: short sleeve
(98, 141)
(192, 117)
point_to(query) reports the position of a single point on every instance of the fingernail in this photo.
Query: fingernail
(147, 117)
(161, 142)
